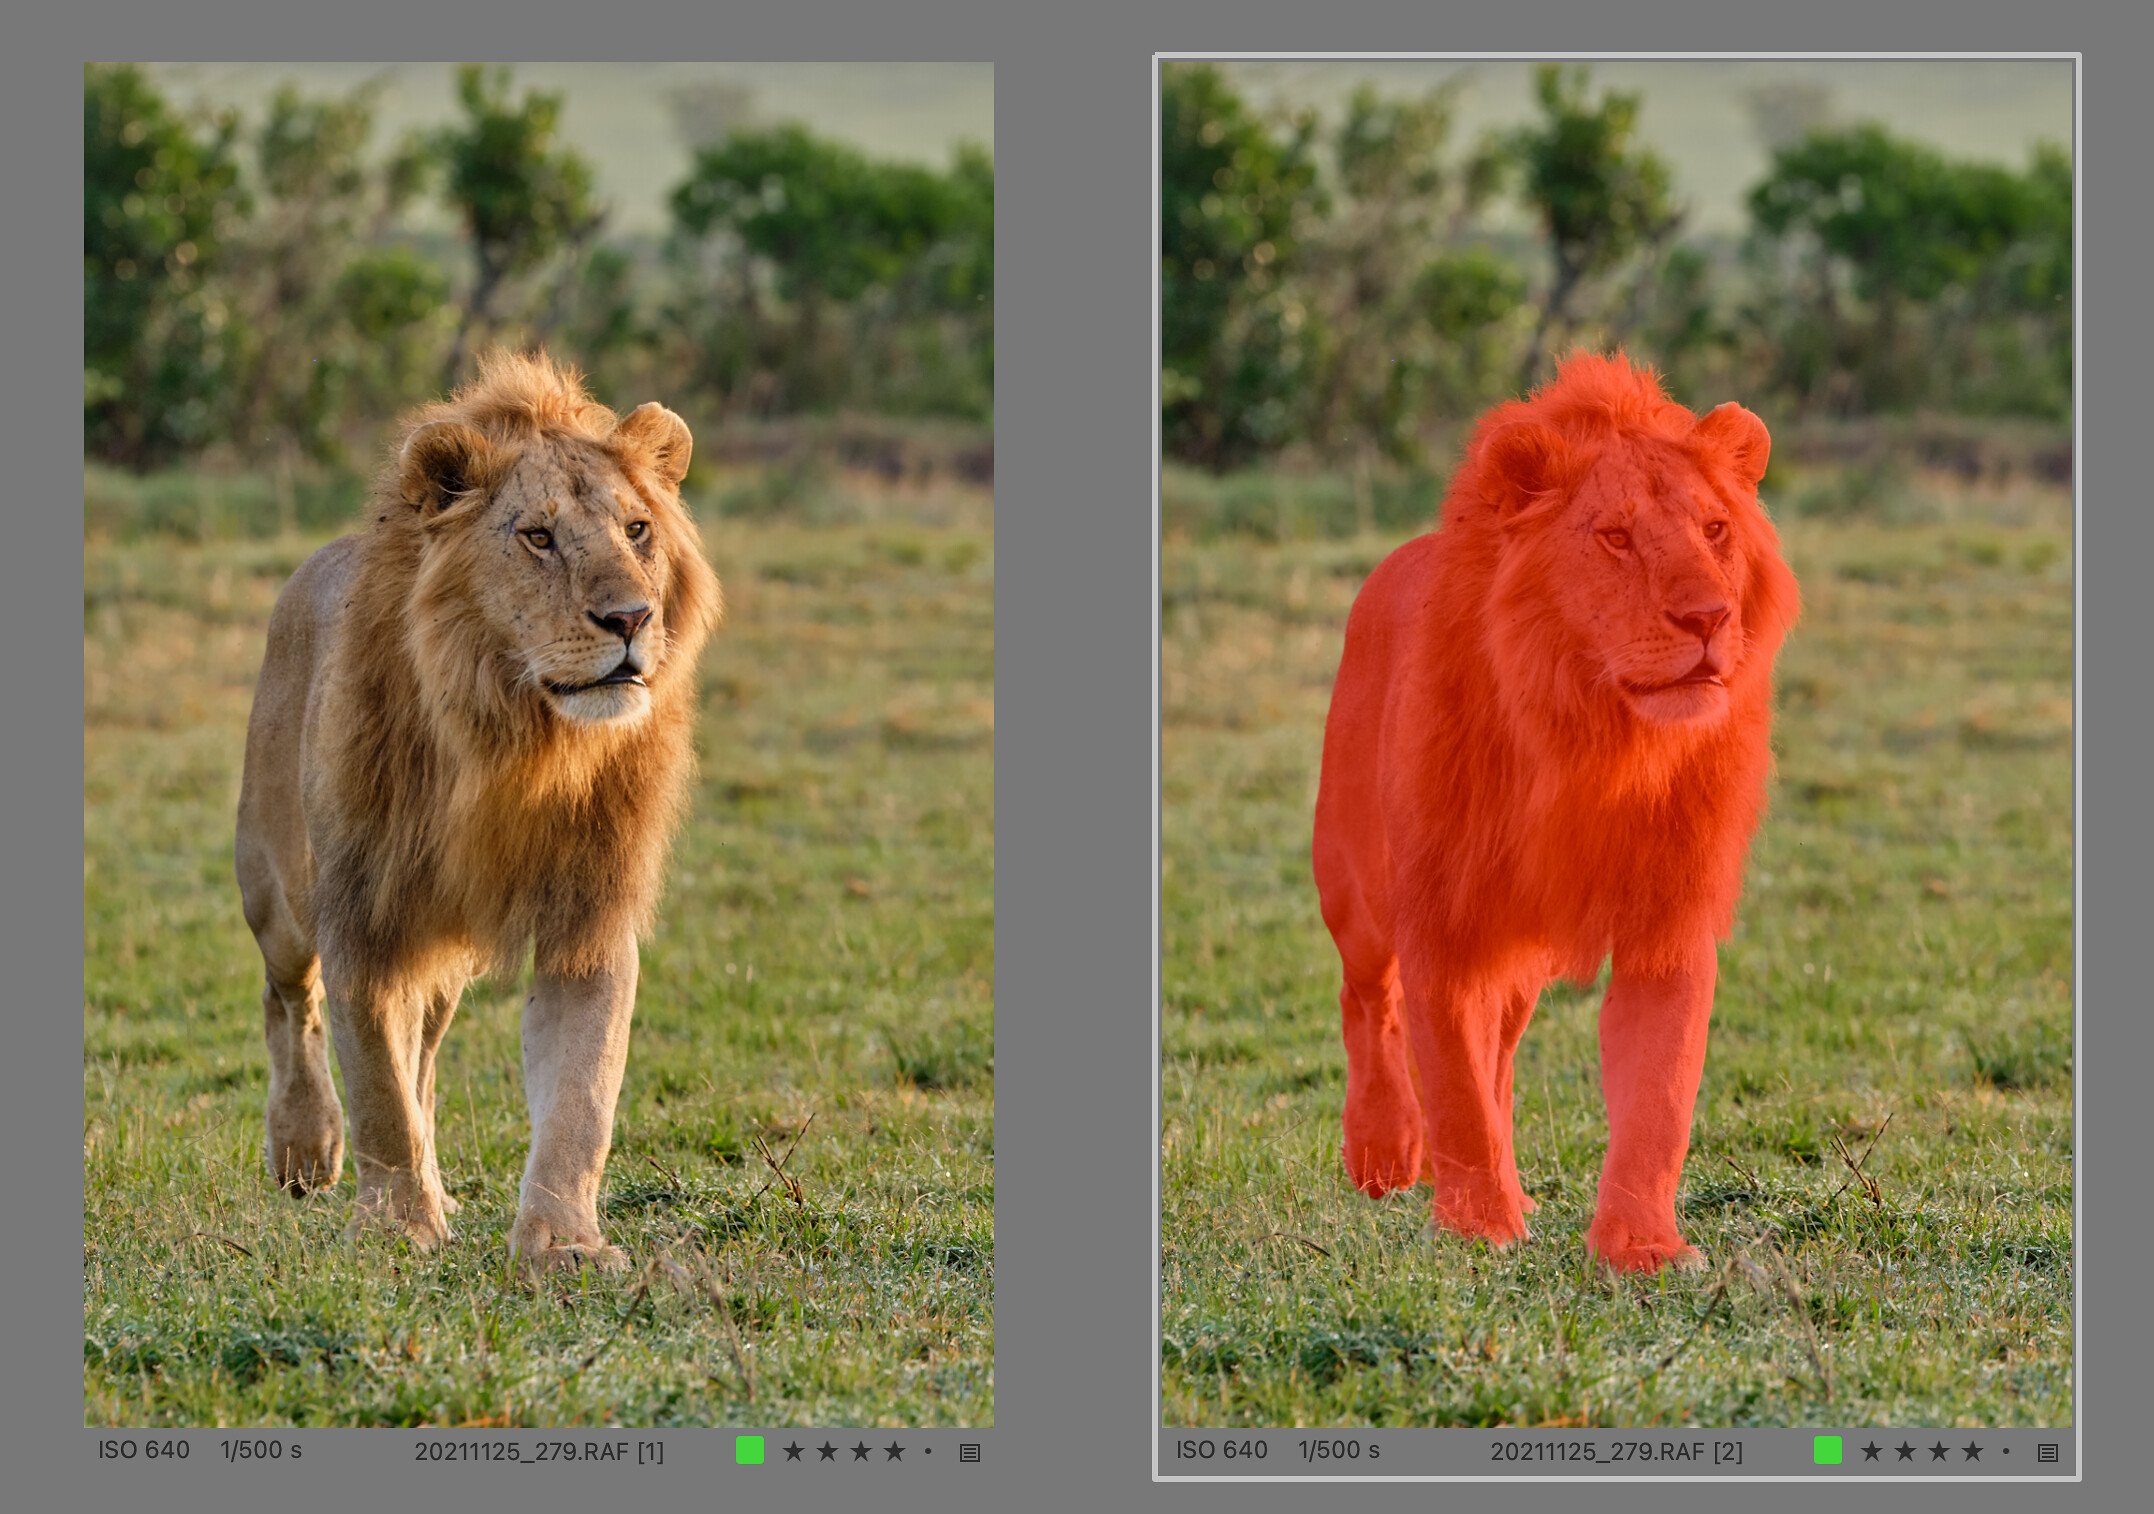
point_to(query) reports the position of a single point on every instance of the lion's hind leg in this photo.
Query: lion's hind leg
(1383, 1121)
(303, 1139)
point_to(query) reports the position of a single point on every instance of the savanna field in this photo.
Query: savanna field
(1880, 1170)
(803, 1167)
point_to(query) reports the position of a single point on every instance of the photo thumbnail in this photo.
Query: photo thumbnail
(538, 793)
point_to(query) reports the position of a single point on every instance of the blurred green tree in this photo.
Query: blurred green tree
(793, 227)
(598, 315)
(522, 197)
(331, 323)
(1237, 199)
(1601, 198)
(393, 300)
(925, 342)
(1472, 300)
(1922, 278)
(1675, 316)
(160, 200)
(1404, 319)
(967, 283)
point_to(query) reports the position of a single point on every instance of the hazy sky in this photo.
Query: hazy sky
(621, 115)
(1697, 113)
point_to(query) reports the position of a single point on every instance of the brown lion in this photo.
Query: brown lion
(472, 737)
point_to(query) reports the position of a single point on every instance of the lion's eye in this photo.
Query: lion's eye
(638, 529)
(1715, 530)
(540, 538)
(1618, 539)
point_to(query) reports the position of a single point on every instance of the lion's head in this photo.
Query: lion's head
(554, 571)
(1633, 567)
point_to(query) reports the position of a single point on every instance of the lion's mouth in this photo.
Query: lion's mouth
(626, 673)
(1703, 676)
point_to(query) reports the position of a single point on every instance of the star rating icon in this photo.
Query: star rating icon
(861, 1450)
(1907, 1452)
(1974, 1452)
(1939, 1451)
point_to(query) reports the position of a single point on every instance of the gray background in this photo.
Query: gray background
(1074, 1056)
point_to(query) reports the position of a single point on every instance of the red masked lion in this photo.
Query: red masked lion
(1548, 743)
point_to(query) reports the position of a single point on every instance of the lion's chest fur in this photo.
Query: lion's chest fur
(1517, 827)
(433, 839)
(1502, 850)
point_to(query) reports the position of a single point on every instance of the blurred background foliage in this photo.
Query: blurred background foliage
(263, 292)
(1344, 288)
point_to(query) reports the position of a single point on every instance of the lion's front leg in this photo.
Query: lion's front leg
(1653, 1028)
(575, 1053)
(380, 1036)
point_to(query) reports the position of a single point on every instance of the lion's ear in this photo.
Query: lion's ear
(1735, 435)
(660, 436)
(442, 463)
(1521, 463)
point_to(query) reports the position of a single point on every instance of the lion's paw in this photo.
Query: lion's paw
(1651, 1259)
(420, 1223)
(573, 1256)
(1486, 1216)
(1384, 1161)
(305, 1149)
(1631, 1253)
(541, 1245)
(1496, 1238)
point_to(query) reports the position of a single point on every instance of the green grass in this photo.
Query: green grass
(1899, 985)
(820, 988)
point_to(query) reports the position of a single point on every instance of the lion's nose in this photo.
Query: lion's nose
(1701, 621)
(624, 621)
